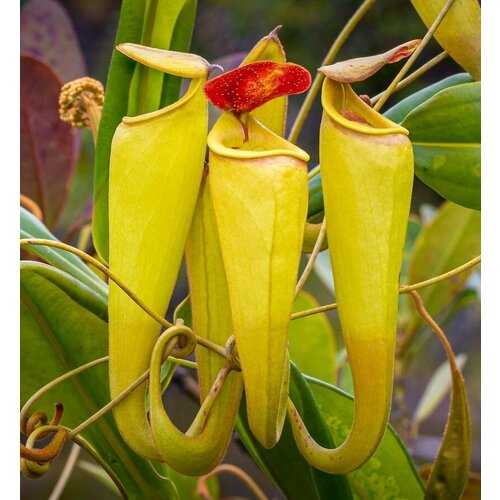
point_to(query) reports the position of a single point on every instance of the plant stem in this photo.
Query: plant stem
(387, 93)
(202, 489)
(402, 289)
(415, 75)
(66, 473)
(312, 258)
(31, 206)
(318, 79)
(97, 415)
(82, 443)
(113, 277)
(46, 388)
(437, 329)
(66, 376)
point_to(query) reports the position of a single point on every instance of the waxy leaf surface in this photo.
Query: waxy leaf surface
(446, 135)
(390, 473)
(31, 227)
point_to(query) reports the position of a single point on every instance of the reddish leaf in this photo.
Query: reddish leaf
(47, 32)
(48, 146)
(248, 87)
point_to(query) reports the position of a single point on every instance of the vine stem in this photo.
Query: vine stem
(116, 279)
(82, 443)
(73, 373)
(437, 329)
(415, 75)
(203, 491)
(403, 289)
(318, 79)
(30, 205)
(312, 258)
(387, 93)
(66, 473)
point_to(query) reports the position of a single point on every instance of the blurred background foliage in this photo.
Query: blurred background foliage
(226, 27)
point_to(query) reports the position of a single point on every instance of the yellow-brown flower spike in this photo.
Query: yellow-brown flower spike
(259, 193)
(367, 172)
(80, 103)
(155, 173)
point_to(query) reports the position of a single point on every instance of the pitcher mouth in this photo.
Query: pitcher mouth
(194, 87)
(227, 139)
(345, 108)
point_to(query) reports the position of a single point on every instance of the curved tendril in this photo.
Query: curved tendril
(206, 440)
(312, 258)
(332, 53)
(435, 25)
(113, 277)
(403, 288)
(35, 462)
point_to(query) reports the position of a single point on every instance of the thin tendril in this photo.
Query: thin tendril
(66, 472)
(30, 205)
(312, 258)
(85, 445)
(402, 289)
(113, 277)
(415, 75)
(387, 93)
(66, 376)
(202, 489)
(318, 79)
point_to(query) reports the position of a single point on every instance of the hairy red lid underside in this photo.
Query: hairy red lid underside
(248, 87)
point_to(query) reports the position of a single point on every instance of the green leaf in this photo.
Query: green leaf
(146, 85)
(31, 227)
(168, 24)
(183, 311)
(450, 240)
(399, 111)
(284, 464)
(63, 326)
(390, 473)
(446, 135)
(115, 107)
(412, 232)
(450, 471)
(312, 341)
(315, 206)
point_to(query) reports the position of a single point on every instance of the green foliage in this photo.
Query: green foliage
(390, 472)
(312, 341)
(128, 82)
(63, 326)
(31, 227)
(446, 135)
(284, 464)
(452, 238)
